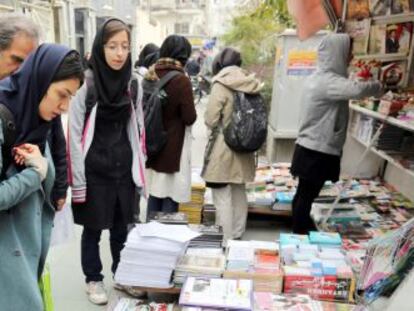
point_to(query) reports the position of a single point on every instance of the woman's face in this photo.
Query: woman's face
(116, 50)
(57, 98)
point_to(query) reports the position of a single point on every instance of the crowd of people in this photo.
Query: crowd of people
(104, 158)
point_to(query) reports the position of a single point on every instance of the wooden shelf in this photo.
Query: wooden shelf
(390, 120)
(393, 18)
(269, 211)
(383, 57)
(385, 156)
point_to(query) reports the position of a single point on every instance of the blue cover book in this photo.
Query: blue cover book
(295, 239)
(325, 238)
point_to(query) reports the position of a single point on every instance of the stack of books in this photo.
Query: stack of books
(211, 236)
(217, 294)
(209, 210)
(170, 218)
(204, 266)
(151, 253)
(257, 261)
(316, 266)
(194, 208)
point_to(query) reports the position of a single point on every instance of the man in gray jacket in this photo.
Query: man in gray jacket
(324, 124)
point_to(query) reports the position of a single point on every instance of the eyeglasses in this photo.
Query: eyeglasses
(113, 48)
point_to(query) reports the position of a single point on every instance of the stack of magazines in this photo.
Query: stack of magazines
(170, 218)
(207, 266)
(210, 236)
(217, 294)
(151, 254)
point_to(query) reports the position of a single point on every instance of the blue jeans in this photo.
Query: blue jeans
(90, 257)
(165, 205)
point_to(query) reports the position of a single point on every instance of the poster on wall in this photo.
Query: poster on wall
(398, 38)
(301, 63)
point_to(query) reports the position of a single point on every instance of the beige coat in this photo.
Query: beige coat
(225, 165)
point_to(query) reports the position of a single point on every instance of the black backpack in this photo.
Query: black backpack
(247, 129)
(154, 99)
(9, 135)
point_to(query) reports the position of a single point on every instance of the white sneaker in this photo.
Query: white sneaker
(97, 293)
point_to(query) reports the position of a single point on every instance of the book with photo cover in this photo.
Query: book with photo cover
(357, 9)
(359, 31)
(226, 294)
(400, 6)
(265, 301)
(380, 7)
(377, 38)
(398, 38)
(393, 74)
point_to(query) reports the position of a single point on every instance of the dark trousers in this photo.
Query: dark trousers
(90, 257)
(165, 205)
(307, 192)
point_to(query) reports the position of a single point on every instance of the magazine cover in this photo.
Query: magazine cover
(358, 9)
(398, 38)
(400, 6)
(359, 31)
(217, 293)
(393, 74)
(264, 301)
(377, 39)
(380, 7)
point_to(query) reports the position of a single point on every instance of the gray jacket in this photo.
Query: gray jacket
(325, 97)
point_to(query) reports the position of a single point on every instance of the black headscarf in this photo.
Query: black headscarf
(23, 91)
(111, 85)
(227, 57)
(147, 50)
(176, 47)
(151, 59)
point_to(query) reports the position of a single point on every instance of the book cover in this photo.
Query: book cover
(393, 74)
(377, 38)
(357, 9)
(400, 6)
(325, 238)
(398, 38)
(295, 239)
(359, 31)
(380, 7)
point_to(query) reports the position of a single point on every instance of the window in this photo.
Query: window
(182, 28)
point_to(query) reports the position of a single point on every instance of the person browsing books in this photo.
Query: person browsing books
(323, 124)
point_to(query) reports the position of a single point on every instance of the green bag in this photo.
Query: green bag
(46, 289)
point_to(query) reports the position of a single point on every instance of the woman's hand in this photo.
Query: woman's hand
(60, 204)
(31, 156)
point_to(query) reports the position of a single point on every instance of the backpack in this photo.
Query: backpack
(247, 130)
(154, 99)
(9, 134)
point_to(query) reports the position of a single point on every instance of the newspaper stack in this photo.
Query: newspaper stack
(211, 236)
(199, 266)
(151, 254)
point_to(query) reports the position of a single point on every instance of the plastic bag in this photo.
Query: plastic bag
(46, 289)
(63, 227)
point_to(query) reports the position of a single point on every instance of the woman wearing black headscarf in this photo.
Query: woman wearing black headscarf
(142, 64)
(35, 95)
(107, 158)
(225, 170)
(169, 173)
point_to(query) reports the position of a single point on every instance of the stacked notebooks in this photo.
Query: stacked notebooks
(151, 254)
(210, 236)
(194, 208)
(257, 261)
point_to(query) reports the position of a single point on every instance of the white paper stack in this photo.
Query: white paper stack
(151, 254)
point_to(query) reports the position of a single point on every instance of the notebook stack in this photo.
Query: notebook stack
(151, 253)
(194, 208)
(210, 236)
(316, 266)
(257, 261)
